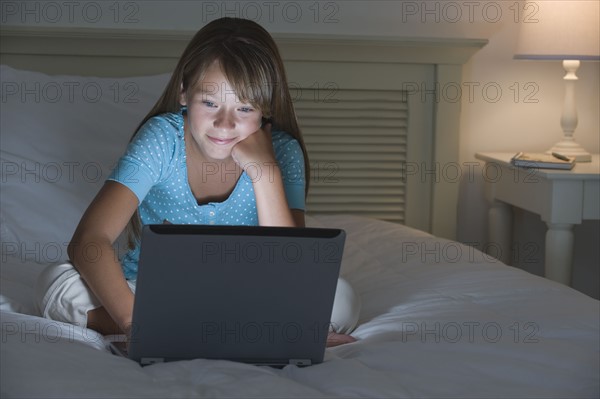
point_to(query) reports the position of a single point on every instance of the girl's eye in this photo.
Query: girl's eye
(246, 109)
(209, 104)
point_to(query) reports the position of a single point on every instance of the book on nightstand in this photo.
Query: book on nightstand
(542, 160)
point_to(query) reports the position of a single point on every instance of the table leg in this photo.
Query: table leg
(559, 252)
(500, 231)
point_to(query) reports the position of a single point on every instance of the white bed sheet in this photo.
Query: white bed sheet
(439, 320)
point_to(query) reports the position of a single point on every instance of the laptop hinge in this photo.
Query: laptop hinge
(146, 361)
(300, 362)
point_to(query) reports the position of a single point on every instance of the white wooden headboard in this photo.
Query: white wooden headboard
(376, 127)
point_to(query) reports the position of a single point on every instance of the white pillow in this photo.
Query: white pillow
(60, 138)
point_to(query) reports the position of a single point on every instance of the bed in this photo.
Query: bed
(438, 318)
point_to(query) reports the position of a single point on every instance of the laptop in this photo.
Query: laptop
(259, 295)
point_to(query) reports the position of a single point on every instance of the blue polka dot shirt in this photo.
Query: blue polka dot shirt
(154, 168)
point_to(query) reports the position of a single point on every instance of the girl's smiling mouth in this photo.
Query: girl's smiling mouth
(220, 141)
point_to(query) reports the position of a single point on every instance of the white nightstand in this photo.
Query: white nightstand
(562, 198)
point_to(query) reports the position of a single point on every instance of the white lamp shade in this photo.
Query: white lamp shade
(559, 30)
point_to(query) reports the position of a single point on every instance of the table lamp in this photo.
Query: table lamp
(566, 31)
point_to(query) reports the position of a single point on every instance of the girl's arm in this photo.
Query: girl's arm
(92, 253)
(271, 203)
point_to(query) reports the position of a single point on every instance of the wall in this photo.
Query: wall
(508, 105)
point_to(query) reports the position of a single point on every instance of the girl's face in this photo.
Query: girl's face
(216, 118)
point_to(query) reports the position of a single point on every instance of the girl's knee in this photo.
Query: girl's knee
(346, 308)
(50, 279)
(62, 295)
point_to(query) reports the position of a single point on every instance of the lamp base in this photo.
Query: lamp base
(571, 149)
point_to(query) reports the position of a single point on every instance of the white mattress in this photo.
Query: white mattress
(438, 320)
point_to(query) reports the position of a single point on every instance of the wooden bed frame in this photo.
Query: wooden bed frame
(418, 67)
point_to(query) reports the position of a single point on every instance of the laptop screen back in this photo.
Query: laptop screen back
(261, 295)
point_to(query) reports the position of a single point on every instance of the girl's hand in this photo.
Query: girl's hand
(255, 153)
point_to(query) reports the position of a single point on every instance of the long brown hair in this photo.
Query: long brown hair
(251, 62)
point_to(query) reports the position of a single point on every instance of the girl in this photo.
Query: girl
(221, 146)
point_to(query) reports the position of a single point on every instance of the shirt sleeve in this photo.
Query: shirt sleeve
(147, 157)
(291, 163)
